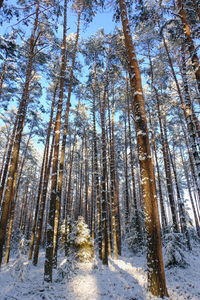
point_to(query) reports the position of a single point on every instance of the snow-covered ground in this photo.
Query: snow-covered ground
(123, 279)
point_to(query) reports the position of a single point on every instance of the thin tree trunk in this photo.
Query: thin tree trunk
(42, 174)
(114, 190)
(127, 209)
(3, 73)
(97, 193)
(103, 182)
(62, 156)
(190, 194)
(162, 208)
(5, 171)
(181, 205)
(190, 117)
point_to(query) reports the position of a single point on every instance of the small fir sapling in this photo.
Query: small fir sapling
(81, 242)
(174, 250)
(21, 265)
(81, 248)
(135, 236)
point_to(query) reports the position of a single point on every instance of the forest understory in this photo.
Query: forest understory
(122, 279)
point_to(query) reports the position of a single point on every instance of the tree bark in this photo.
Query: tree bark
(189, 41)
(9, 194)
(156, 274)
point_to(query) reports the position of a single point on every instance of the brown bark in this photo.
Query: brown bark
(104, 199)
(162, 208)
(156, 274)
(41, 213)
(113, 183)
(2, 77)
(135, 204)
(97, 192)
(37, 208)
(190, 117)
(9, 194)
(126, 192)
(5, 170)
(54, 177)
(62, 156)
(189, 41)
(86, 178)
(10, 226)
(42, 174)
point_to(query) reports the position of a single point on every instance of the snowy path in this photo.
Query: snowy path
(123, 279)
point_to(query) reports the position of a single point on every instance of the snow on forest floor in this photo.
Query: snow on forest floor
(123, 279)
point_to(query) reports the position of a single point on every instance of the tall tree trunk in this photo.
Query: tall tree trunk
(10, 226)
(190, 194)
(127, 208)
(113, 183)
(3, 160)
(97, 192)
(165, 154)
(181, 205)
(162, 208)
(3, 73)
(42, 174)
(103, 181)
(8, 156)
(156, 274)
(9, 194)
(189, 41)
(190, 117)
(41, 213)
(62, 156)
(86, 178)
(54, 177)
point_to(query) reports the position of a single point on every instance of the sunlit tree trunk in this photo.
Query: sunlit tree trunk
(156, 274)
(189, 41)
(42, 174)
(8, 156)
(62, 155)
(190, 117)
(54, 177)
(9, 192)
(162, 208)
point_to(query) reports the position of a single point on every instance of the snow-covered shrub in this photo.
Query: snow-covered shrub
(16, 237)
(21, 265)
(65, 269)
(135, 236)
(193, 235)
(174, 250)
(81, 243)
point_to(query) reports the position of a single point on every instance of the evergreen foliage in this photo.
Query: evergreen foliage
(81, 243)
